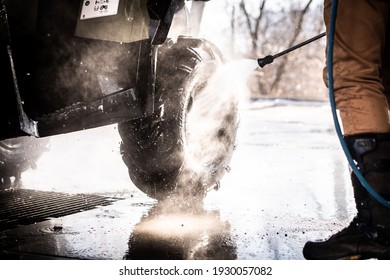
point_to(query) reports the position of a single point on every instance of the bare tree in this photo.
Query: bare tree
(298, 29)
(253, 23)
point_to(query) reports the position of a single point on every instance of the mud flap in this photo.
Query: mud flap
(24, 125)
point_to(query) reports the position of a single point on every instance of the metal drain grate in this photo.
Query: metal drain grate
(22, 207)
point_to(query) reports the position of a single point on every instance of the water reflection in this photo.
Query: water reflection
(171, 231)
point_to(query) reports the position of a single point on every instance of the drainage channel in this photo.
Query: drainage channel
(23, 206)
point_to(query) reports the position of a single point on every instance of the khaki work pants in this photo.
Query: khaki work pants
(361, 64)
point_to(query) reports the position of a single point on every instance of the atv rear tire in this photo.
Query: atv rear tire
(186, 146)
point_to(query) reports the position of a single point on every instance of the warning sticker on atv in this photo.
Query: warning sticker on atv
(99, 8)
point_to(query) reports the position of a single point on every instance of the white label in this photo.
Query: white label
(99, 8)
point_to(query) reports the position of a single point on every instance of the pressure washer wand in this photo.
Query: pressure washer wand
(270, 58)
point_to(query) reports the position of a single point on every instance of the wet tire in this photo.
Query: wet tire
(18, 155)
(186, 146)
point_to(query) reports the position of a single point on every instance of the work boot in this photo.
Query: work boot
(368, 235)
(358, 240)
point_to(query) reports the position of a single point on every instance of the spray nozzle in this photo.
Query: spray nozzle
(265, 60)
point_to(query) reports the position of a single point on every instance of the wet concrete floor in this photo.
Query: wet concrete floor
(288, 183)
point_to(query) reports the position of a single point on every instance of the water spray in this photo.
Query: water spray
(270, 58)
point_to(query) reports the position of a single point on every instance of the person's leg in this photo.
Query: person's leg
(360, 83)
(385, 70)
(359, 45)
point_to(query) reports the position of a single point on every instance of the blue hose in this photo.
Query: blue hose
(351, 162)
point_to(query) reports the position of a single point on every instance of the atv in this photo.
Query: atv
(70, 65)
